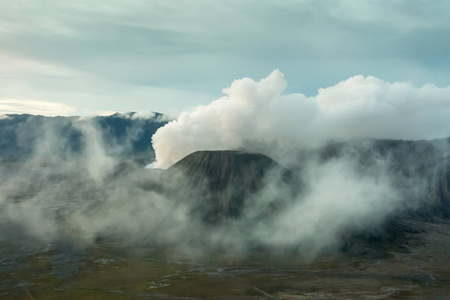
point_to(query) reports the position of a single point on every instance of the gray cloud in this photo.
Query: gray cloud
(141, 46)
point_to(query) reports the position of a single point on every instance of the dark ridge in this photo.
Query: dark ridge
(419, 170)
(122, 135)
(222, 181)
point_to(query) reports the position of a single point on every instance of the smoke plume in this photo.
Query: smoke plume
(256, 114)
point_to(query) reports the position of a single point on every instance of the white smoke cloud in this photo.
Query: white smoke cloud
(359, 107)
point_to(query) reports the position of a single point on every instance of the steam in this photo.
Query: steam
(98, 163)
(85, 193)
(55, 179)
(340, 200)
(257, 114)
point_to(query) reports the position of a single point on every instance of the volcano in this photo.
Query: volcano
(224, 185)
(220, 182)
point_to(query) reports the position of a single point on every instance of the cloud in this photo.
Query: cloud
(25, 106)
(254, 113)
(152, 53)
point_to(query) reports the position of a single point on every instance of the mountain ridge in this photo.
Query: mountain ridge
(122, 135)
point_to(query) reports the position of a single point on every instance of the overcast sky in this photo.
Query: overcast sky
(78, 57)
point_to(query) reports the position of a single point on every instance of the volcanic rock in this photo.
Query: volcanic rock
(221, 183)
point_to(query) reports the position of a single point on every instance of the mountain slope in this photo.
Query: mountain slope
(221, 181)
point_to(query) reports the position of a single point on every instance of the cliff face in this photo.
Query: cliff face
(220, 182)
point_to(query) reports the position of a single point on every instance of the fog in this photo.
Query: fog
(86, 193)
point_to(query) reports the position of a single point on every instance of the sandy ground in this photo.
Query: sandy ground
(108, 272)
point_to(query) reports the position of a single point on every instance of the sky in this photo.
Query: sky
(99, 57)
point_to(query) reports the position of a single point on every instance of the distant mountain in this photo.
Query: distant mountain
(120, 135)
